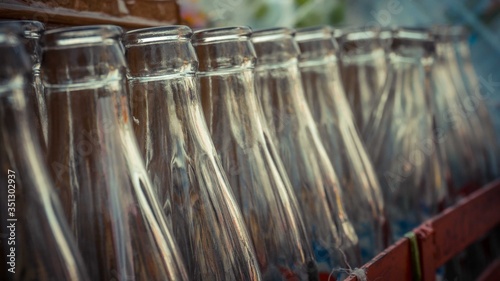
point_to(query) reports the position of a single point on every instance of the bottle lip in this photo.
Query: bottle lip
(271, 34)
(217, 35)
(157, 35)
(449, 32)
(314, 33)
(28, 28)
(353, 34)
(413, 34)
(80, 35)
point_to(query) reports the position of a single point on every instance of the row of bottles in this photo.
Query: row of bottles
(225, 154)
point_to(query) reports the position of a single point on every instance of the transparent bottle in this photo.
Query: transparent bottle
(107, 196)
(36, 241)
(248, 157)
(363, 70)
(476, 98)
(323, 90)
(401, 137)
(293, 131)
(30, 33)
(467, 113)
(463, 153)
(181, 158)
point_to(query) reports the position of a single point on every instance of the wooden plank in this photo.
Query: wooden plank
(142, 14)
(469, 220)
(394, 263)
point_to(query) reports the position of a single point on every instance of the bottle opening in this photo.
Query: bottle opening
(448, 32)
(314, 33)
(80, 36)
(360, 34)
(157, 34)
(217, 35)
(272, 34)
(28, 28)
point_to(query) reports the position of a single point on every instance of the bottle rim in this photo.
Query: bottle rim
(28, 28)
(154, 35)
(80, 35)
(271, 34)
(218, 35)
(413, 34)
(314, 33)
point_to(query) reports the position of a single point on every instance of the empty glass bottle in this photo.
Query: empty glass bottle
(463, 153)
(363, 199)
(242, 141)
(293, 131)
(36, 242)
(105, 190)
(401, 138)
(364, 70)
(180, 157)
(462, 113)
(30, 33)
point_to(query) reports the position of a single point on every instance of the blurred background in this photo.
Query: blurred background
(482, 17)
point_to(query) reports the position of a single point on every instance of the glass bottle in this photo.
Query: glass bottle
(30, 33)
(401, 138)
(468, 105)
(248, 157)
(36, 241)
(325, 96)
(284, 107)
(105, 190)
(180, 156)
(363, 71)
(464, 154)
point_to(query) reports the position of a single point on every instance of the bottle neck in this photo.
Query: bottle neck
(230, 107)
(167, 110)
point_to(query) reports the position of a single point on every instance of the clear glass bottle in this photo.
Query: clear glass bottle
(248, 157)
(36, 241)
(293, 131)
(401, 136)
(107, 196)
(363, 70)
(323, 90)
(181, 158)
(463, 153)
(465, 106)
(30, 33)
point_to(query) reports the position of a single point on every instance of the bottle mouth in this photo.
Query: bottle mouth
(412, 34)
(314, 33)
(217, 35)
(28, 28)
(154, 35)
(449, 32)
(272, 34)
(80, 36)
(355, 34)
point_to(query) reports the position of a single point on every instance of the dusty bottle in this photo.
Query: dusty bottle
(107, 196)
(325, 96)
(248, 157)
(36, 243)
(363, 70)
(181, 158)
(30, 33)
(401, 137)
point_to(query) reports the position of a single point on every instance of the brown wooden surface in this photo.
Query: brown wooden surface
(392, 264)
(126, 13)
(441, 238)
